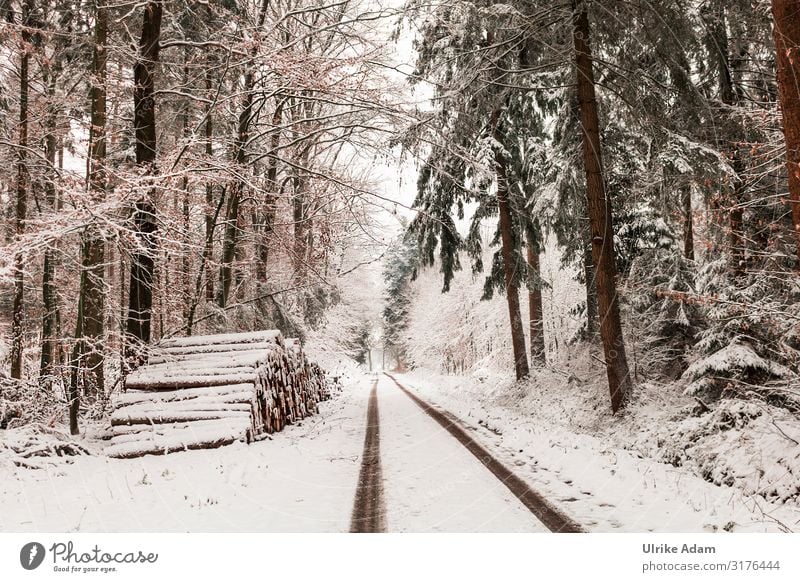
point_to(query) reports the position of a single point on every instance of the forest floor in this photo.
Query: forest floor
(305, 478)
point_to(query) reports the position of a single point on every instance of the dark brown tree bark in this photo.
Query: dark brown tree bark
(92, 293)
(87, 359)
(232, 215)
(729, 95)
(232, 218)
(591, 289)
(73, 391)
(302, 222)
(688, 223)
(600, 216)
(21, 207)
(786, 30)
(268, 216)
(208, 248)
(507, 252)
(535, 310)
(186, 279)
(140, 297)
(229, 245)
(50, 308)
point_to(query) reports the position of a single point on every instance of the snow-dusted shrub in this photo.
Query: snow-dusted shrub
(740, 443)
(665, 314)
(35, 446)
(23, 403)
(751, 338)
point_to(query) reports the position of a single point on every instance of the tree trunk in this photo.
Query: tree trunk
(140, 296)
(229, 245)
(92, 298)
(786, 14)
(729, 96)
(268, 220)
(301, 220)
(600, 216)
(73, 392)
(21, 209)
(50, 315)
(535, 309)
(507, 252)
(736, 240)
(186, 280)
(232, 226)
(591, 291)
(203, 270)
(688, 226)
(208, 248)
(92, 292)
(232, 217)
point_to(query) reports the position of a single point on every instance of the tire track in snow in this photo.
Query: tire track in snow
(551, 517)
(369, 510)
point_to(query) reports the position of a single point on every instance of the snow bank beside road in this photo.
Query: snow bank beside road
(302, 481)
(609, 473)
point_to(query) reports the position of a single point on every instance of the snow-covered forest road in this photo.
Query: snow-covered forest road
(431, 482)
(419, 477)
(440, 479)
(306, 479)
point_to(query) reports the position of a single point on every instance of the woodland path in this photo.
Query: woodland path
(422, 471)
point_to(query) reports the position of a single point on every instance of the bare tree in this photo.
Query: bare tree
(140, 301)
(21, 209)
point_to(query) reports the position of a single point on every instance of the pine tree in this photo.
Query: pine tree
(600, 217)
(787, 40)
(474, 158)
(399, 270)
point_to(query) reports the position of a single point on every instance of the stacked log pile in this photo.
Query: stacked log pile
(209, 391)
(302, 386)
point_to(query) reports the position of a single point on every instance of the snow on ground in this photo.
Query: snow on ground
(650, 469)
(557, 433)
(433, 483)
(302, 480)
